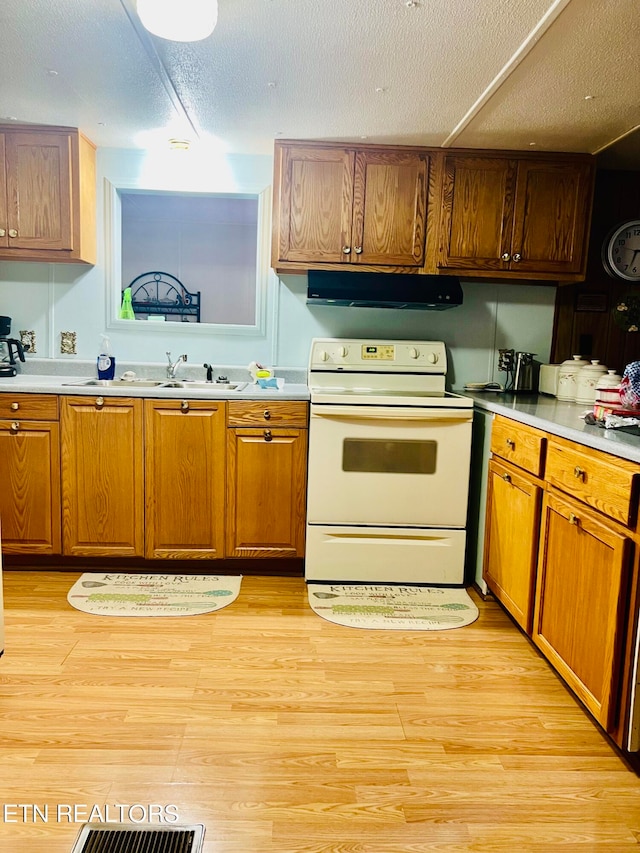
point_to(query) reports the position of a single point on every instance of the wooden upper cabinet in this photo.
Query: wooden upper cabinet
(516, 217)
(349, 206)
(47, 195)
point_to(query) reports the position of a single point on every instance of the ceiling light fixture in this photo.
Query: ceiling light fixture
(179, 20)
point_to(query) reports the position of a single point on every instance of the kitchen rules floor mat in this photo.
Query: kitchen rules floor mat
(402, 608)
(120, 594)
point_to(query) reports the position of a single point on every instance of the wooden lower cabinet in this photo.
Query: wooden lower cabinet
(102, 476)
(511, 539)
(184, 478)
(30, 494)
(580, 606)
(266, 492)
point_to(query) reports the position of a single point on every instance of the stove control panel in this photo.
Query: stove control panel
(337, 354)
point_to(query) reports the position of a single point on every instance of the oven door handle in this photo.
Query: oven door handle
(391, 413)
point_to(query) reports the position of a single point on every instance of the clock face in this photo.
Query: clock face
(621, 251)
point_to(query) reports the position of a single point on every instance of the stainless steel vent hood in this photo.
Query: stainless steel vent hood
(383, 290)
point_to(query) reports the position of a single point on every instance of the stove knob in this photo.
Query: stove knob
(342, 352)
(432, 358)
(323, 355)
(413, 352)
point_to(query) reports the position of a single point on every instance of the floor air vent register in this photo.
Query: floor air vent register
(126, 838)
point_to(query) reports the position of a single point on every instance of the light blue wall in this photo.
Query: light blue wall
(51, 298)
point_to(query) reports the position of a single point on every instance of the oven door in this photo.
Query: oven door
(389, 465)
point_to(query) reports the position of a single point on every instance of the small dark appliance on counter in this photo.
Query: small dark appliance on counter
(521, 369)
(10, 349)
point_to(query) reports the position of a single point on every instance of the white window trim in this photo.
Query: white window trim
(113, 265)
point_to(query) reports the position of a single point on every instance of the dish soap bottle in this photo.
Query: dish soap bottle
(126, 310)
(106, 361)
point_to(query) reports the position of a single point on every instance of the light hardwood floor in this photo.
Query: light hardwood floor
(283, 733)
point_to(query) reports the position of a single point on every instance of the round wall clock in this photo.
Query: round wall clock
(621, 251)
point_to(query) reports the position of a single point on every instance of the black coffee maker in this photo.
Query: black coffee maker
(10, 349)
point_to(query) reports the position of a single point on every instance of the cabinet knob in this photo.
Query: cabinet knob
(267, 415)
(358, 250)
(184, 406)
(511, 443)
(13, 232)
(15, 407)
(3, 233)
(505, 257)
(346, 250)
(99, 402)
(579, 473)
(15, 426)
(506, 477)
(267, 435)
(517, 257)
(573, 519)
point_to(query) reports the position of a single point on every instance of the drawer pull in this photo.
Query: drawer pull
(506, 478)
(573, 519)
(15, 426)
(184, 406)
(99, 402)
(579, 473)
(511, 443)
(267, 435)
(15, 407)
(267, 415)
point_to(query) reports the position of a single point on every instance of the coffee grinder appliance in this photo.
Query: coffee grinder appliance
(11, 349)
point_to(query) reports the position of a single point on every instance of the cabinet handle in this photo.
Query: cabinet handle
(2, 232)
(358, 250)
(511, 443)
(346, 250)
(13, 232)
(15, 426)
(99, 402)
(267, 415)
(184, 406)
(267, 435)
(573, 519)
(517, 257)
(505, 257)
(506, 478)
(580, 473)
(15, 407)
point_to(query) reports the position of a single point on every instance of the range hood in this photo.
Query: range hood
(383, 290)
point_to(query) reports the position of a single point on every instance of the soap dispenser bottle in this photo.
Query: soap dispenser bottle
(106, 361)
(126, 309)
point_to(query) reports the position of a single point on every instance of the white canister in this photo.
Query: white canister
(567, 377)
(586, 380)
(608, 389)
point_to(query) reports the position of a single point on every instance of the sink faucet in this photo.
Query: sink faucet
(172, 366)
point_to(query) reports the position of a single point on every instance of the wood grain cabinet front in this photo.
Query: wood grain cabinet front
(266, 479)
(30, 474)
(102, 476)
(516, 217)
(184, 479)
(47, 195)
(354, 206)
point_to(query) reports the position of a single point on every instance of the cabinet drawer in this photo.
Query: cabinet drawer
(35, 407)
(518, 443)
(252, 413)
(608, 484)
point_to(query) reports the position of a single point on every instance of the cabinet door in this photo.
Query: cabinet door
(184, 468)
(30, 496)
(477, 212)
(579, 609)
(102, 476)
(511, 540)
(4, 225)
(315, 204)
(266, 492)
(39, 190)
(390, 208)
(551, 216)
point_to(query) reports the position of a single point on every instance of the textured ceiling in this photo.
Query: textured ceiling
(462, 73)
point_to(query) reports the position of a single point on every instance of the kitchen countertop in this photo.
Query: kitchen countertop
(563, 419)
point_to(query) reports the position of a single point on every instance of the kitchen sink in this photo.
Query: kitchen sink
(119, 383)
(213, 386)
